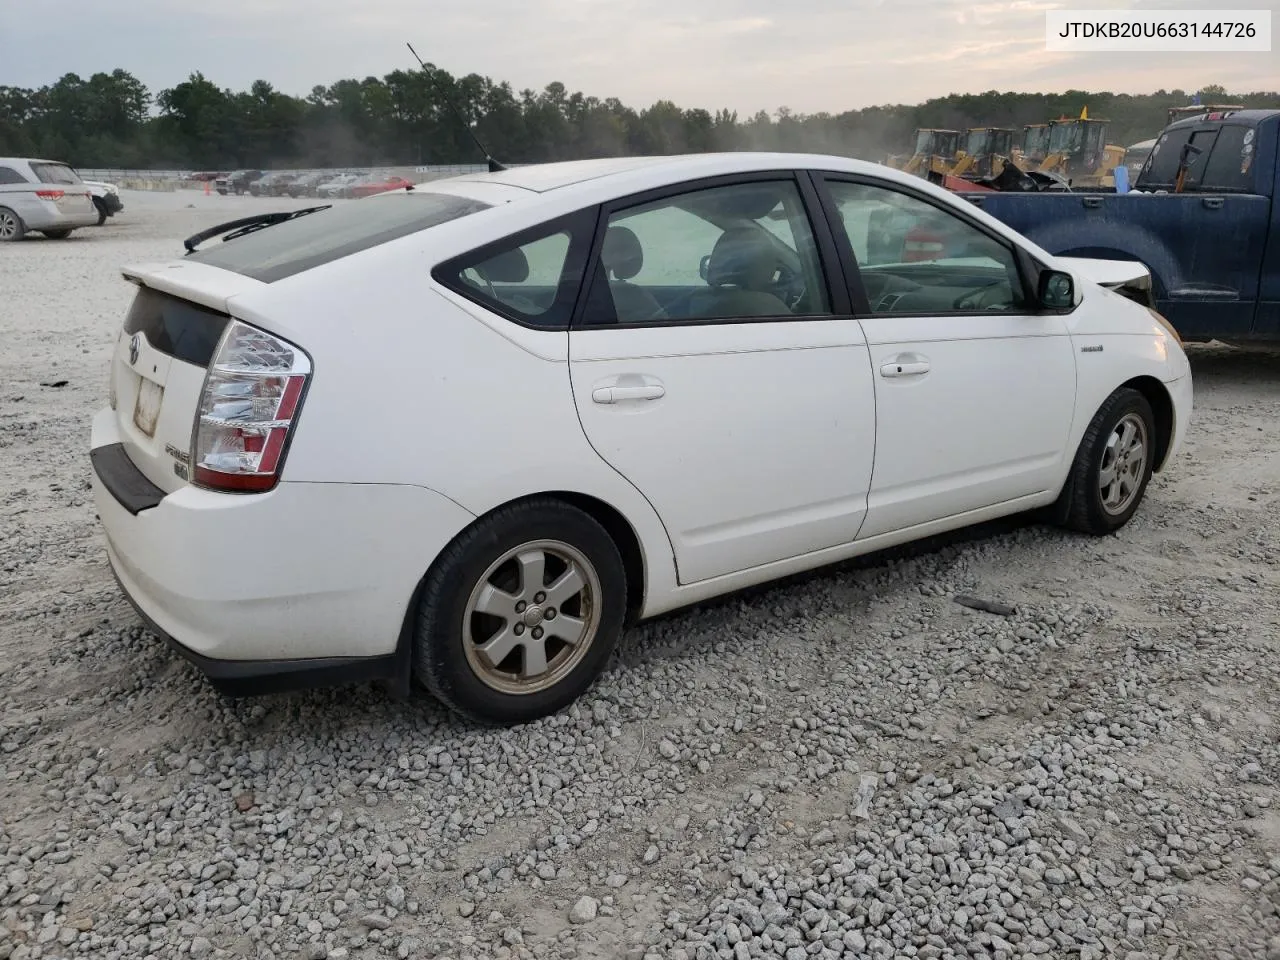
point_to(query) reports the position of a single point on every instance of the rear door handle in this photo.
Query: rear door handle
(904, 368)
(1213, 203)
(628, 387)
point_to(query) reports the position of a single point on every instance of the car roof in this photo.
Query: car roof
(543, 177)
(1253, 117)
(61, 163)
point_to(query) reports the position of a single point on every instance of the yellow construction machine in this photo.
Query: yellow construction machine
(1035, 145)
(1078, 151)
(935, 150)
(984, 152)
(1195, 109)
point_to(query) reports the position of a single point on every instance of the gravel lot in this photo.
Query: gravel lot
(850, 764)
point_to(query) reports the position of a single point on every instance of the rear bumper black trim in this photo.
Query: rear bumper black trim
(251, 678)
(123, 480)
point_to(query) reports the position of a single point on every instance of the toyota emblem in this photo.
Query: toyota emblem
(135, 346)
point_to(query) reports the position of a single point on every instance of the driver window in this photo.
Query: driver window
(744, 250)
(916, 258)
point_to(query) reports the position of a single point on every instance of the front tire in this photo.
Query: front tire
(1113, 465)
(520, 614)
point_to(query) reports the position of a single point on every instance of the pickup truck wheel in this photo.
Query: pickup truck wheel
(1112, 466)
(11, 225)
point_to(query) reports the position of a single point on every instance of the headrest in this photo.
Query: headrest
(622, 254)
(742, 257)
(510, 266)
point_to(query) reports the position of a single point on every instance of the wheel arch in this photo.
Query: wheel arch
(616, 525)
(1161, 402)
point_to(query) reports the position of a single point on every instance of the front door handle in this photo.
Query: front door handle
(904, 368)
(1213, 203)
(628, 387)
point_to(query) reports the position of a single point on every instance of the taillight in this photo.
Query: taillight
(49, 194)
(250, 401)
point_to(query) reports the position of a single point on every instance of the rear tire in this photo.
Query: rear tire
(56, 234)
(1112, 466)
(11, 226)
(102, 210)
(520, 614)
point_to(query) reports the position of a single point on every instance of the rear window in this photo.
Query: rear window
(1162, 165)
(54, 173)
(309, 241)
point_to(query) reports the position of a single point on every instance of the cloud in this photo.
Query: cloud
(810, 55)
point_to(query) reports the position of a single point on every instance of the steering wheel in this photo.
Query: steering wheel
(977, 298)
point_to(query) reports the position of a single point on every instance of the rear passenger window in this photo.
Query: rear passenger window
(1230, 165)
(1162, 165)
(532, 278)
(10, 175)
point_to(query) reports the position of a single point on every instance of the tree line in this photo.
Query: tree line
(409, 118)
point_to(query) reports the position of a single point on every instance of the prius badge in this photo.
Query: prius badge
(1093, 348)
(135, 347)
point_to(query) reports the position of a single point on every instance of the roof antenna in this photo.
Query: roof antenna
(494, 165)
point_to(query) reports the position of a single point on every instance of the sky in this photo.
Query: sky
(744, 55)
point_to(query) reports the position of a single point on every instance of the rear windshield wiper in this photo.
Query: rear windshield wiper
(238, 228)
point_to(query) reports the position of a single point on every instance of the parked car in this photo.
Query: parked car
(704, 386)
(1213, 250)
(306, 185)
(340, 186)
(271, 185)
(106, 199)
(44, 196)
(237, 181)
(379, 185)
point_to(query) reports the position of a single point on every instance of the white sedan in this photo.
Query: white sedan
(460, 435)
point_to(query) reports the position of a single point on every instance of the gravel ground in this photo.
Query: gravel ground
(849, 764)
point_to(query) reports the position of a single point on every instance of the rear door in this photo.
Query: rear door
(16, 192)
(1215, 232)
(717, 367)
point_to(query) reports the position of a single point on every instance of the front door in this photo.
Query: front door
(975, 391)
(719, 371)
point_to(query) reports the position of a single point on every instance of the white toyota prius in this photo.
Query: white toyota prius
(461, 435)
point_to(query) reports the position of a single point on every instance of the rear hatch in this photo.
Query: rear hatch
(62, 186)
(182, 308)
(161, 356)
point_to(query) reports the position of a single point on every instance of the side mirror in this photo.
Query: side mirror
(703, 266)
(1057, 290)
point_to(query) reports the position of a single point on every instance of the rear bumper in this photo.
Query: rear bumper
(306, 585)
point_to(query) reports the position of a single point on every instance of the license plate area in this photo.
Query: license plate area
(146, 411)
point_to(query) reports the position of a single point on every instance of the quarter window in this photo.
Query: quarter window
(10, 175)
(744, 250)
(916, 258)
(532, 278)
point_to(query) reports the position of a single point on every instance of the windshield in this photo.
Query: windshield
(294, 246)
(54, 173)
(1064, 137)
(976, 144)
(924, 141)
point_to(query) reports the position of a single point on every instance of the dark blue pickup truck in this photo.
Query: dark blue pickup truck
(1213, 249)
